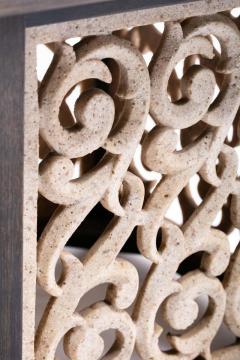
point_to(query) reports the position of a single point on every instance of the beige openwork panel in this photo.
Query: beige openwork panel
(155, 109)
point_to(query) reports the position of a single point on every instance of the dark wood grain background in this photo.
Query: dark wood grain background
(13, 7)
(11, 185)
(48, 11)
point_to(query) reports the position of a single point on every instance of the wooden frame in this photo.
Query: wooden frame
(11, 179)
(15, 18)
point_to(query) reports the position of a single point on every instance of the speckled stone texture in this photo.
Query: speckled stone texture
(190, 117)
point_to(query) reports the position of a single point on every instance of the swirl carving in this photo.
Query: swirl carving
(118, 95)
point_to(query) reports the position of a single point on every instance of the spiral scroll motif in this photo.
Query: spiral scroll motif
(119, 94)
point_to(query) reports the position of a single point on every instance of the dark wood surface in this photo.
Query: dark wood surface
(84, 8)
(91, 9)
(13, 7)
(11, 185)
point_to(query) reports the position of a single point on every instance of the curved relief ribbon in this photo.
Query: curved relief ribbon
(99, 266)
(95, 126)
(160, 286)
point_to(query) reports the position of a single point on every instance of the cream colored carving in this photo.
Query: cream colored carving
(115, 120)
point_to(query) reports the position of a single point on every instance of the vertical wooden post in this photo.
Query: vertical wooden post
(12, 43)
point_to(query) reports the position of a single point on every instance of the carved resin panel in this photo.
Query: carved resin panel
(142, 124)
